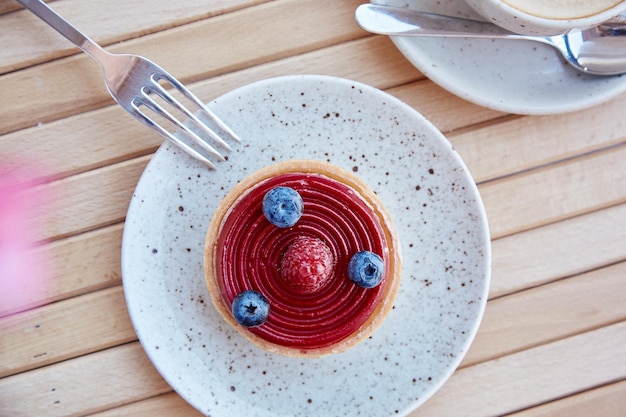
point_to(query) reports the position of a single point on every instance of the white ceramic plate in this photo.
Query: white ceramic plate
(426, 188)
(521, 77)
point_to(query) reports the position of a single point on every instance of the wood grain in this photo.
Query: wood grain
(91, 139)
(77, 265)
(532, 377)
(517, 322)
(553, 335)
(104, 21)
(90, 200)
(163, 405)
(554, 193)
(565, 190)
(559, 250)
(444, 110)
(64, 330)
(606, 401)
(42, 91)
(574, 305)
(87, 384)
(7, 6)
(521, 143)
(513, 382)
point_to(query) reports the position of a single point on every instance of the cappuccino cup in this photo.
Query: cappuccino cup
(547, 17)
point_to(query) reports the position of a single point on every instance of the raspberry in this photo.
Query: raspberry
(307, 265)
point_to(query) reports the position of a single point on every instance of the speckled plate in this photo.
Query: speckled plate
(521, 77)
(437, 211)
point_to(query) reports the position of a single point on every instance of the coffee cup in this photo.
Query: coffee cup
(547, 17)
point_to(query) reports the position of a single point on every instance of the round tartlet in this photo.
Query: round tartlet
(243, 252)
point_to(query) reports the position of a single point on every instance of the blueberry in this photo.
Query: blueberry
(282, 206)
(250, 308)
(366, 269)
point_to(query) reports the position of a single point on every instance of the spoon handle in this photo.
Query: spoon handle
(600, 50)
(385, 20)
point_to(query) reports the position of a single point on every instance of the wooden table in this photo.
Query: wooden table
(553, 339)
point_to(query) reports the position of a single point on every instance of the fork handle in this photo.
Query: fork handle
(45, 13)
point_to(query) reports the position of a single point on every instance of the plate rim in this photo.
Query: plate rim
(453, 86)
(487, 258)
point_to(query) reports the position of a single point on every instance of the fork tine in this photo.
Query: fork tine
(139, 115)
(158, 109)
(203, 107)
(159, 90)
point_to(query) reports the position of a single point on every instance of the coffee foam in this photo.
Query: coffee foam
(562, 9)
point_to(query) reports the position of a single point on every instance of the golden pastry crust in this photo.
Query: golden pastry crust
(385, 304)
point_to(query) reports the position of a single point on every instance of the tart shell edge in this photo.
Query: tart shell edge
(331, 171)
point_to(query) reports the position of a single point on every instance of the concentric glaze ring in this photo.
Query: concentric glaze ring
(248, 249)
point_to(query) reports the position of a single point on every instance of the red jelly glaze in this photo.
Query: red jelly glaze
(250, 249)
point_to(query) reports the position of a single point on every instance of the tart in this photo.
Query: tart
(245, 252)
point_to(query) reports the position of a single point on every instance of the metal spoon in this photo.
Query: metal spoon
(600, 50)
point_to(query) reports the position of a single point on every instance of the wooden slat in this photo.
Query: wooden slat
(79, 143)
(88, 384)
(7, 6)
(104, 21)
(532, 377)
(562, 249)
(164, 405)
(91, 139)
(606, 401)
(522, 143)
(555, 193)
(550, 312)
(515, 204)
(91, 383)
(76, 265)
(213, 46)
(506, 328)
(516, 322)
(64, 330)
(444, 110)
(88, 201)
(553, 336)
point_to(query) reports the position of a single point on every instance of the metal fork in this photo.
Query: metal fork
(134, 82)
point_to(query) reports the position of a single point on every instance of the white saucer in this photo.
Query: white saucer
(426, 188)
(521, 77)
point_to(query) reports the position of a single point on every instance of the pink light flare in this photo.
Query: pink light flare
(23, 269)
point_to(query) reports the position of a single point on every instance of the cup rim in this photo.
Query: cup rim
(564, 22)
